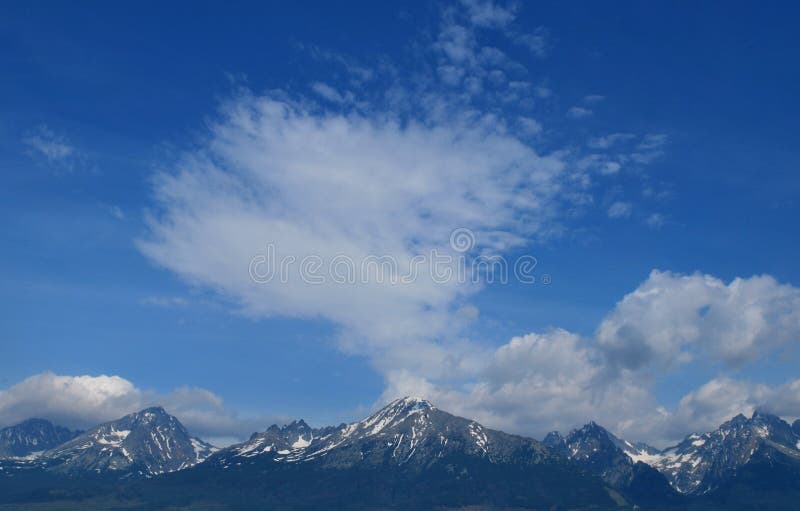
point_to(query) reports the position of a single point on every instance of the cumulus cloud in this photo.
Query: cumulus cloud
(719, 400)
(672, 318)
(558, 380)
(534, 384)
(85, 401)
(77, 401)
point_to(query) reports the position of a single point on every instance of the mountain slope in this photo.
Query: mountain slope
(32, 436)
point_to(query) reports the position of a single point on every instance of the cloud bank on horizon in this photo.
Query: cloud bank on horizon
(535, 383)
(390, 163)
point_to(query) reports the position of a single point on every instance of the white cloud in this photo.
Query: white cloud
(608, 141)
(578, 112)
(534, 384)
(543, 92)
(395, 178)
(273, 172)
(650, 148)
(719, 400)
(358, 73)
(52, 148)
(467, 313)
(673, 318)
(593, 98)
(654, 141)
(78, 401)
(537, 41)
(559, 380)
(391, 173)
(85, 401)
(530, 126)
(327, 92)
(609, 168)
(655, 220)
(485, 13)
(620, 210)
(117, 212)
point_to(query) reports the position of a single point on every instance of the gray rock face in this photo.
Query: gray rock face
(32, 436)
(144, 443)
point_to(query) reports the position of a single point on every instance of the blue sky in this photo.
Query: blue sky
(659, 136)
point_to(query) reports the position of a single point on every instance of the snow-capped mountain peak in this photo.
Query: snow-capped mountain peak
(700, 462)
(143, 443)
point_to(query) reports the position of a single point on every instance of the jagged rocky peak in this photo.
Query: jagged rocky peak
(554, 440)
(700, 463)
(32, 436)
(616, 461)
(281, 439)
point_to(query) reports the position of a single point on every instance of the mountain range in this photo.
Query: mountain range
(408, 455)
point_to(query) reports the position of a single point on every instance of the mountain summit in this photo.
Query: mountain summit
(144, 443)
(702, 463)
(597, 450)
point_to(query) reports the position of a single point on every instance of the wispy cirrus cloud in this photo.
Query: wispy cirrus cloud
(394, 173)
(406, 165)
(44, 144)
(579, 112)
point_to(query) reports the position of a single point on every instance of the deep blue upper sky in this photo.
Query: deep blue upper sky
(128, 87)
